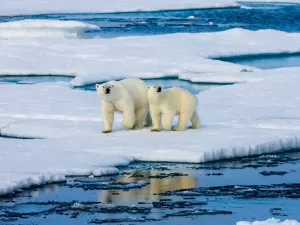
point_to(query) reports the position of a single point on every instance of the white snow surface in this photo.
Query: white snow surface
(95, 60)
(270, 221)
(29, 7)
(237, 121)
(44, 29)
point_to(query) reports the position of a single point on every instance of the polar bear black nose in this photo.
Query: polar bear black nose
(107, 90)
(159, 89)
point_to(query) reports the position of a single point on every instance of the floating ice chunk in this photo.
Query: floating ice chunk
(191, 18)
(271, 221)
(77, 206)
(44, 29)
(104, 171)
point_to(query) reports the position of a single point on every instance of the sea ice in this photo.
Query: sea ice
(96, 60)
(44, 29)
(29, 7)
(236, 121)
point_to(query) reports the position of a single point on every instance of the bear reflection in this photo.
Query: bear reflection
(147, 193)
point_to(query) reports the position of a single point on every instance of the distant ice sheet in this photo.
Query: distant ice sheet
(16, 7)
(29, 7)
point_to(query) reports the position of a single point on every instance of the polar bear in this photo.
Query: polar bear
(171, 102)
(128, 96)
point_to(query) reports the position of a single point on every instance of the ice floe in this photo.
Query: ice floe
(44, 29)
(96, 60)
(237, 121)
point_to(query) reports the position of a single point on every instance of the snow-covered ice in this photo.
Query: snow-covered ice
(270, 221)
(237, 121)
(95, 60)
(44, 29)
(29, 7)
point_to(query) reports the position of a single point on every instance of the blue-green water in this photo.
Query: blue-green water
(213, 193)
(282, 17)
(194, 88)
(266, 61)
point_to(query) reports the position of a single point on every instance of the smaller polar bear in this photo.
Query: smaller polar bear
(171, 102)
(128, 96)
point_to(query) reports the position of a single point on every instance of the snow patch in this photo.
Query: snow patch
(44, 29)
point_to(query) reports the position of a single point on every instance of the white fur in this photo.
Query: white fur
(171, 102)
(128, 96)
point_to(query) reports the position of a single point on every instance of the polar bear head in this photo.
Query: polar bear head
(109, 91)
(154, 92)
(155, 89)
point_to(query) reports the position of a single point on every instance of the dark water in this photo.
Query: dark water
(214, 193)
(194, 88)
(284, 17)
(266, 61)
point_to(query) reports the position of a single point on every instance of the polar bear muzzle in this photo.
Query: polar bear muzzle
(107, 90)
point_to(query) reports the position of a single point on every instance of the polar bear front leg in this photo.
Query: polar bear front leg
(108, 117)
(156, 117)
(168, 121)
(128, 118)
(140, 116)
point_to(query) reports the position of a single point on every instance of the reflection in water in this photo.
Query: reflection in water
(149, 192)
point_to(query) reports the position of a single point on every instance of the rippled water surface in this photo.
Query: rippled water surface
(284, 17)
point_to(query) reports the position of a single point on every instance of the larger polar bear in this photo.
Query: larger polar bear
(128, 96)
(171, 102)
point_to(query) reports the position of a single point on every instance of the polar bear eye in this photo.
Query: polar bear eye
(154, 86)
(103, 86)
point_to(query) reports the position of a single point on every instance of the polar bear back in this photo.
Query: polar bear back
(138, 90)
(177, 99)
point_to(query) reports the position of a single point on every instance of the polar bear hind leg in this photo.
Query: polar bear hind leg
(195, 120)
(168, 121)
(184, 117)
(140, 116)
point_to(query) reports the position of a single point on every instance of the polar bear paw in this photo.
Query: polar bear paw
(177, 129)
(106, 131)
(155, 130)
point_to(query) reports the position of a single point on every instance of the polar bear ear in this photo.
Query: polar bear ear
(162, 86)
(149, 87)
(97, 86)
(113, 85)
